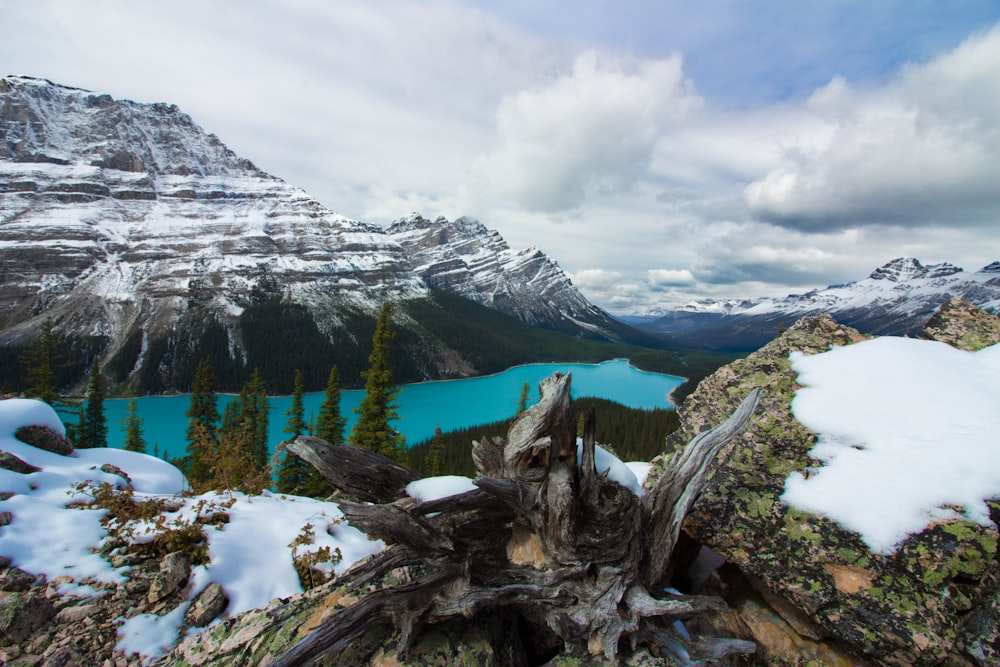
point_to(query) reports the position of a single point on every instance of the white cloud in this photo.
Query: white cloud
(589, 132)
(604, 160)
(661, 278)
(921, 150)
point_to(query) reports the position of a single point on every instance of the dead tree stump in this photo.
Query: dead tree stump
(580, 558)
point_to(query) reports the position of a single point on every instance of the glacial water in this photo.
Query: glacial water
(447, 404)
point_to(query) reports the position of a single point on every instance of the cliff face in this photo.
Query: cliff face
(115, 215)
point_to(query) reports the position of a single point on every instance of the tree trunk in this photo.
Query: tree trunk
(577, 555)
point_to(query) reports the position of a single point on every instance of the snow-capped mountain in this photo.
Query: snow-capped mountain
(124, 221)
(895, 299)
(467, 258)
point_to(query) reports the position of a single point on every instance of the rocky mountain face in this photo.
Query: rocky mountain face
(127, 224)
(895, 299)
(467, 258)
(802, 586)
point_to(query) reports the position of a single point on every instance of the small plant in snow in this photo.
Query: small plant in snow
(314, 567)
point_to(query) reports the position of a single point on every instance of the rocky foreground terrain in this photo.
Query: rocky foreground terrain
(804, 589)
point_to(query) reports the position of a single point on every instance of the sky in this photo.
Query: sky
(660, 151)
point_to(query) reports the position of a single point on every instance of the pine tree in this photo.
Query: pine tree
(45, 354)
(330, 425)
(435, 453)
(203, 423)
(294, 472)
(522, 402)
(296, 424)
(93, 429)
(134, 442)
(373, 430)
(254, 417)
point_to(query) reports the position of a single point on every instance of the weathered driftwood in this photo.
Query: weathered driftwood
(361, 474)
(580, 558)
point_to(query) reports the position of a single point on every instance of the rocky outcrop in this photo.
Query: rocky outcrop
(962, 324)
(801, 585)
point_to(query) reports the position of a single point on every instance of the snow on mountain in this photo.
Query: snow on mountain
(895, 299)
(119, 220)
(134, 210)
(467, 258)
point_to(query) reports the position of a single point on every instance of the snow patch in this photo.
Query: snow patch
(906, 429)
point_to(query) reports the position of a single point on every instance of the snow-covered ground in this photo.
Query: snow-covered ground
(907, 429)
(49, 535)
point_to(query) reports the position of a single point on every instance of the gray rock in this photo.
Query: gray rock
(23, 613)
(175, 568)
(207, 606)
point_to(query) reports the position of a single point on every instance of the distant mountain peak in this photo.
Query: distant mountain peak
(896, 299)
(903, 269)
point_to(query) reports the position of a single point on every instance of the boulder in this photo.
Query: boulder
(933, 600)
(21, 614)
(10, 462)
(175, 569)
(207, 606)
(44, 438)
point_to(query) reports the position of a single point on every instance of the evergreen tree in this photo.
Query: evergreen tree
(294, 472)
(373, 430)
(435, 454)
(296, 424)
(203, 423)
(134, 442)
(93, 429)
(254, 417)
(522, 402)
(330, 425)
(45, 354)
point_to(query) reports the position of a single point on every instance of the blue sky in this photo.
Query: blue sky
(659, 151)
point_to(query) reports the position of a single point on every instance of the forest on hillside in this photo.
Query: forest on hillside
(632, 434)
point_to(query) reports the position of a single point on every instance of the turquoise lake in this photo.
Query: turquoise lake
(448, 404)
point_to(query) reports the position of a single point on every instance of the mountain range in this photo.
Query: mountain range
(895, 299)
(149, 243)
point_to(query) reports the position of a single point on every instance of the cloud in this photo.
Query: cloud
(589, 132)
(921, 150)
(658, 279)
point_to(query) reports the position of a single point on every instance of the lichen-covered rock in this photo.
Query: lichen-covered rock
(257, 637)
(964, 325)
(913, 607)
(175, 569)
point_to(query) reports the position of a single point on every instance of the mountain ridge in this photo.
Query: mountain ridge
(127, 224)
(896, 298)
